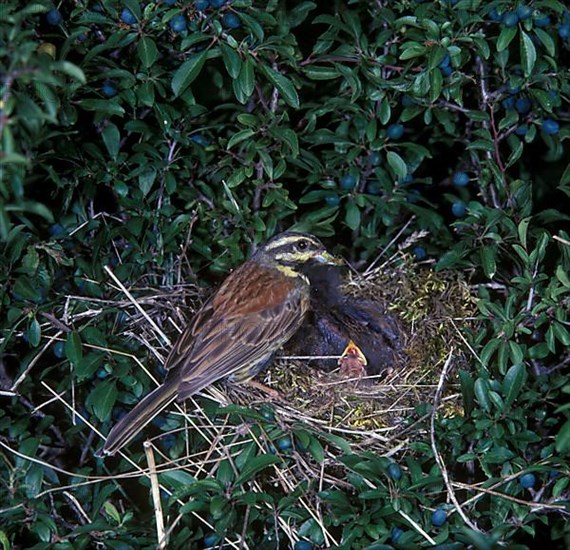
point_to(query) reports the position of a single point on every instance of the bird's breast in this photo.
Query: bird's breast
(253, 288)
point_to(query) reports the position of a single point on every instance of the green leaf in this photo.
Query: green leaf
(256, 465)
(516, 154)
(73, 349)
(240, 136)
(187, 72)
(565, 178)
(321, 73)
(102, 399)
(352, 216)
(34, 333)
(104, 106)
(411, 50)
(70, 70)
(146, 181)
(482, 393)
(498, 455)
(513, 383)
(561, 333)
(244, 84)
(111, 139)
(148, 52)
(546, 40)
(112, 512)
(516, 352)
(523, 230)
(489, 350)
(562, 276)
(145, 93)
(528, 54)
(467, 390)
(232, 60)
(290, 137)
(506, 37)
(436, 84)
(489, 260)
(562, 442)
(397, 164)
(25, 289)
(299, 13)
(284, 85)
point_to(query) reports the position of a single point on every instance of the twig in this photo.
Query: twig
(438, 458)
(131, 298)
(33, 362)
(155, 492)
(395, 239)
(484, 491)
(417, 527)
(75, 504)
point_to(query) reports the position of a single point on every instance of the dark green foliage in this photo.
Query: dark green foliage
(136, 132)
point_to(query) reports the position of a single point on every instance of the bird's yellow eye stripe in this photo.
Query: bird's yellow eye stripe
(295, 256)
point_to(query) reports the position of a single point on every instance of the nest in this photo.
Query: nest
(374, 413)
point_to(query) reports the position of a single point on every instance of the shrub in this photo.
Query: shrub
(134, 134)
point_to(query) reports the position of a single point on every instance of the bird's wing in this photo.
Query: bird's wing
(237, 331)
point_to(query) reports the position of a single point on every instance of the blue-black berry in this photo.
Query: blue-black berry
(510, 19)
(332, 200)
(458, 209)
(396, 534)
(524, 12)
(419, 252)
(231, 21)
(460, 179)
(394, 471)
(178, 23)
(542, 21)
(348, 182)
(523, 105)
(200, 140)
(211, 539)
(564, 31)
(109, 88)
(395, 131)
(128, 17)
(439, 517)
(284, 443)
(53, 17)
(527, 481)
(550, 127)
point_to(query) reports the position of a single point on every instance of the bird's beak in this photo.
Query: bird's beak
(327, 259)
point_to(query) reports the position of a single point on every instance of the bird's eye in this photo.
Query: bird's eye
(302, 245)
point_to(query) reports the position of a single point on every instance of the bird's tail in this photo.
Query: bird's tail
(132, 423)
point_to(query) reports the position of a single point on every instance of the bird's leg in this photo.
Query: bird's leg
(273, 394)
(352, 362)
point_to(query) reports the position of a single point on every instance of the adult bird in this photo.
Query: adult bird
(235, 334)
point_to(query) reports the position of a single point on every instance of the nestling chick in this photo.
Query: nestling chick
(336, 319)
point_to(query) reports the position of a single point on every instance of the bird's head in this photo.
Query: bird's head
(291, 252)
